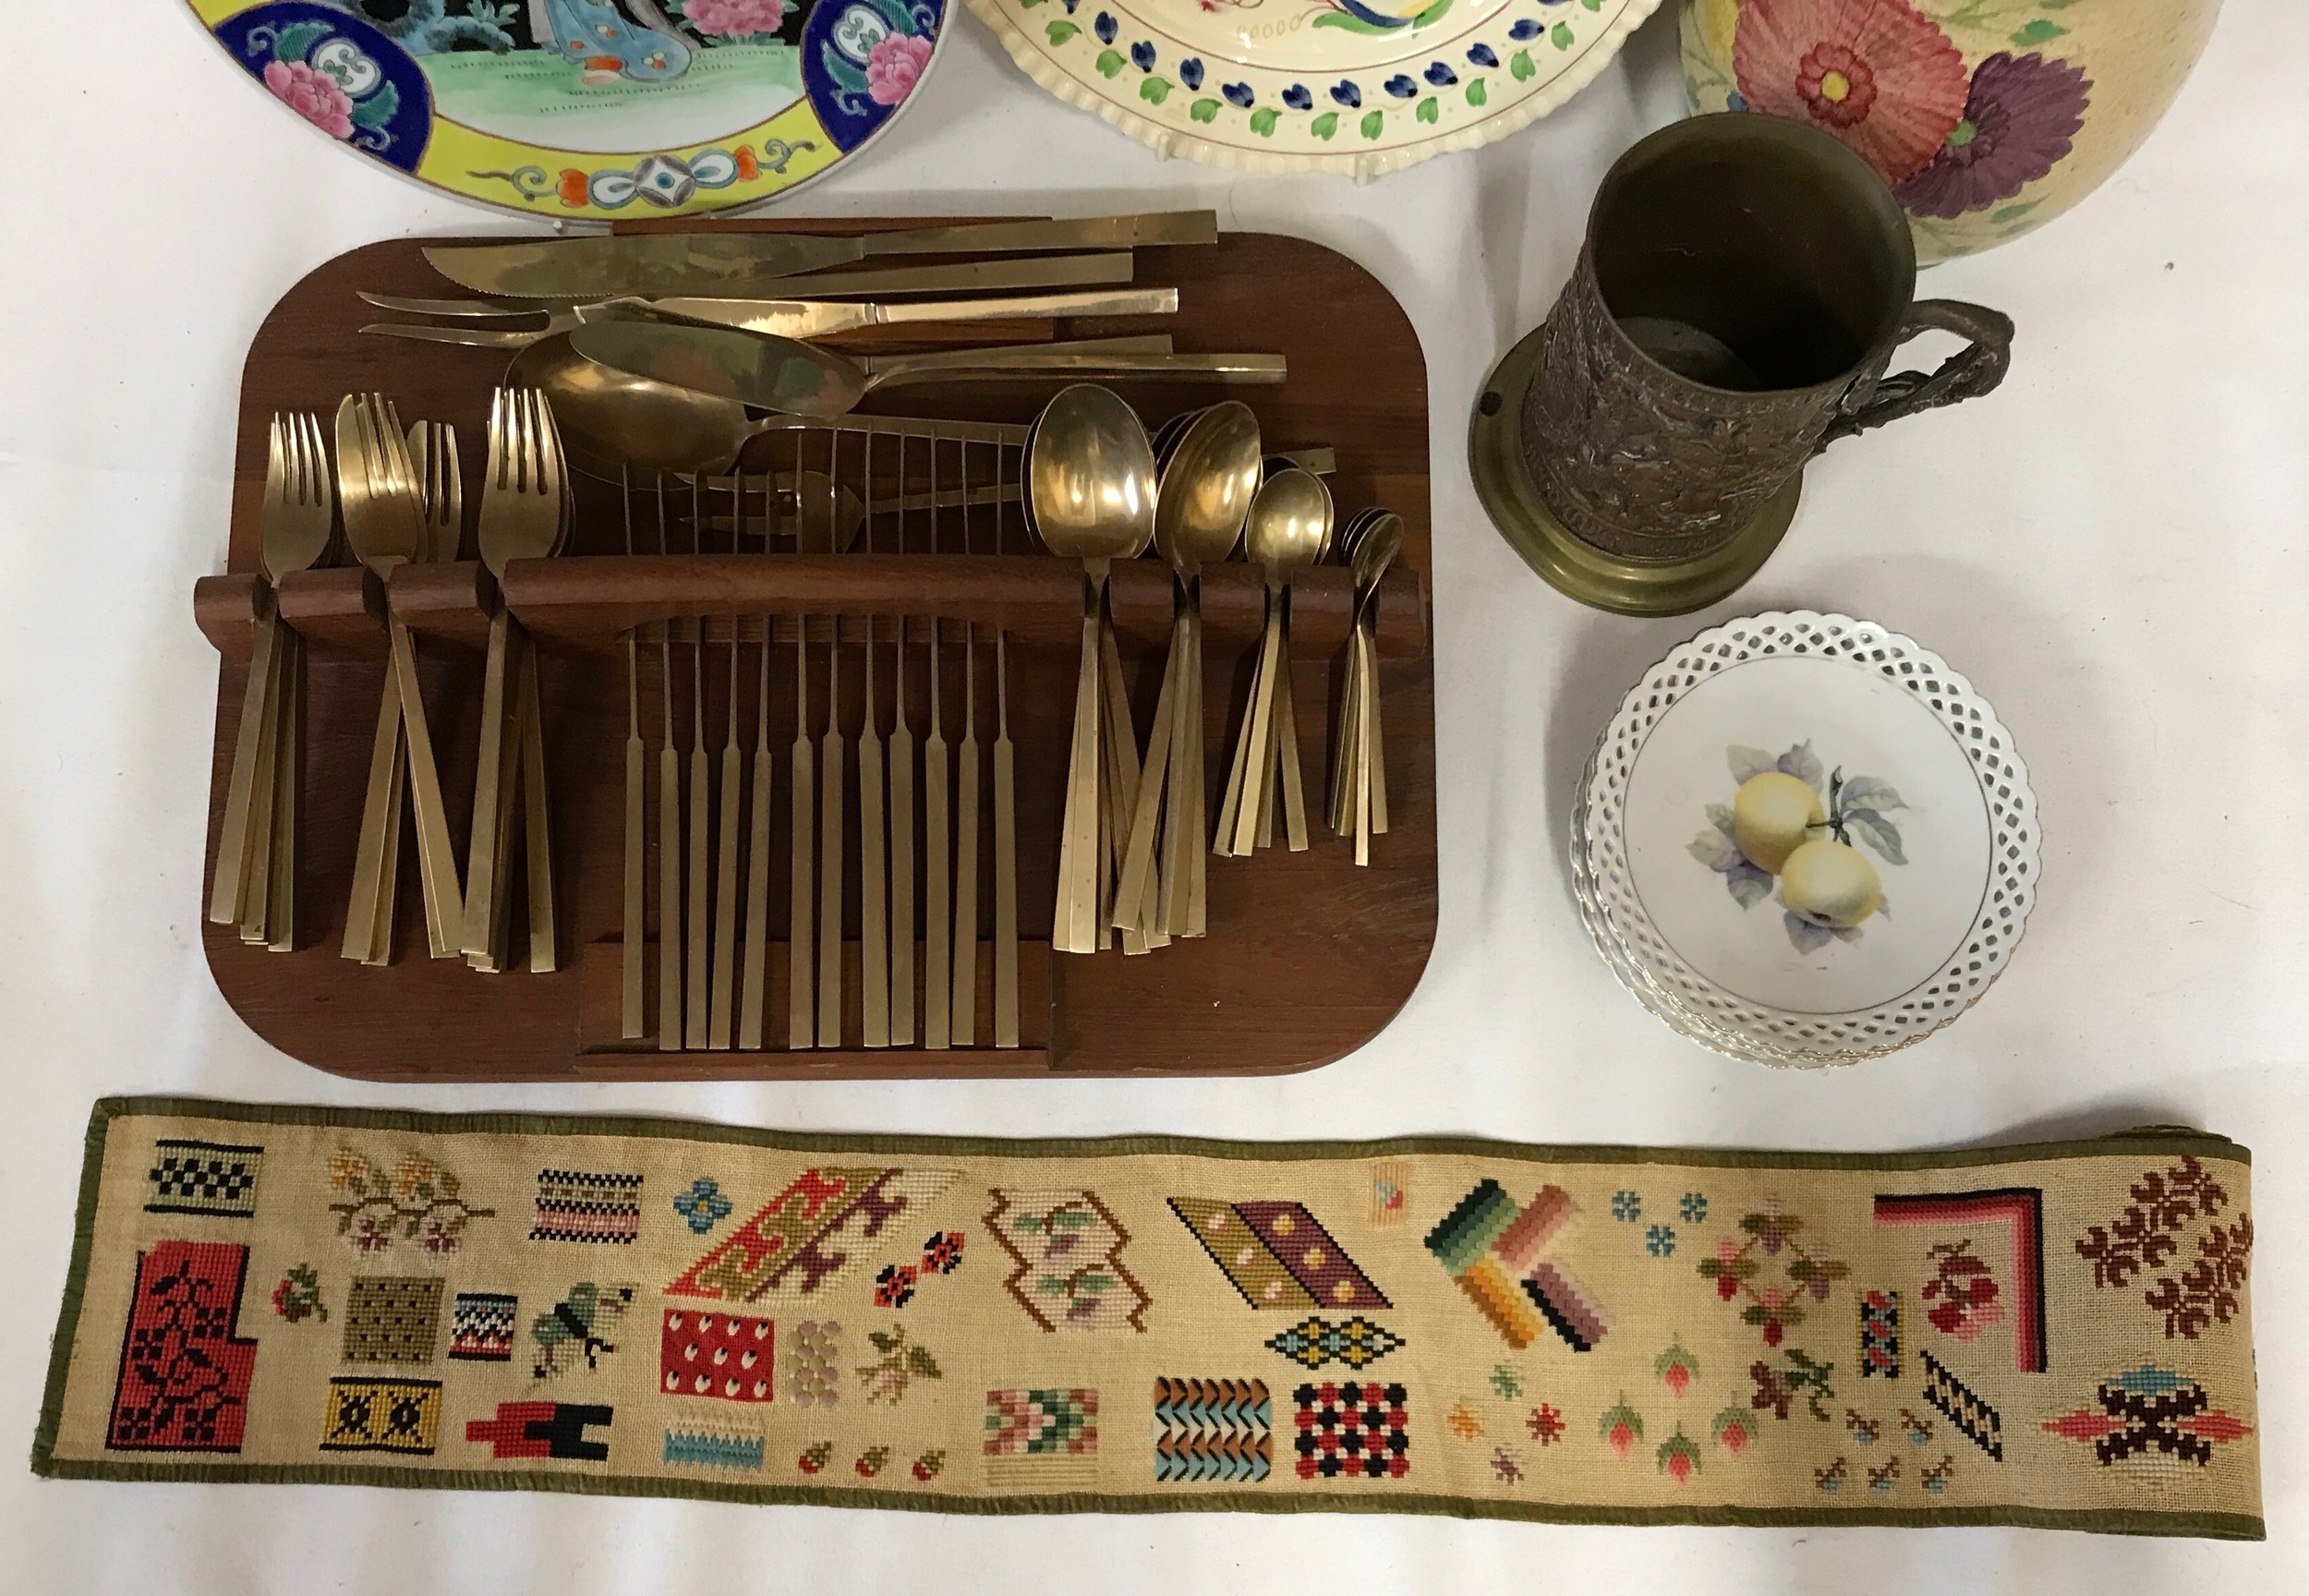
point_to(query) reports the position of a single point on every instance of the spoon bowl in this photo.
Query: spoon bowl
(610, 417)
(1090, 477)
(1207, 488)
(1289, 527)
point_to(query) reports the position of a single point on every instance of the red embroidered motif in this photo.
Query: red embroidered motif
(2021, 1209)
(184, 1374)
(723, 1355)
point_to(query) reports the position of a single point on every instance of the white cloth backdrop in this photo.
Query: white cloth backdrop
(2114, 548)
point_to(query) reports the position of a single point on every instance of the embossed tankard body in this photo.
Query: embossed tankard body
(1743, 285)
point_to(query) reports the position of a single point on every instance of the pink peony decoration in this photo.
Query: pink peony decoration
(735, 19)
(313, 95)
(1877, 74)
(895, 66)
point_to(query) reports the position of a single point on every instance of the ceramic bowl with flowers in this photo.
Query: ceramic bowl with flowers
(1988, 118)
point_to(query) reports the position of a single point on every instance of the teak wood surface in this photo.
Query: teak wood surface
(1306, 956)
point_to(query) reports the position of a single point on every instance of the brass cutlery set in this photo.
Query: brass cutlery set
(648, 365)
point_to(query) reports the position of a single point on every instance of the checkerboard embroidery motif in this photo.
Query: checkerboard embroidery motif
(392, 1319)
(213, 1178)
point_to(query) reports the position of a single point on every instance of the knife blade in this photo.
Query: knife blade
(735, 262)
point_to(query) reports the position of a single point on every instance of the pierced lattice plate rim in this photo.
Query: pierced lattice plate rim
(1702, 1009)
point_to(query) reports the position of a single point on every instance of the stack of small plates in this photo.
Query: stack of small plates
(1919, 836)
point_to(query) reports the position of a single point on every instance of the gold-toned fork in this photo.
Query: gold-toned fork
(523, 491)
(377, 490)
(297, 518)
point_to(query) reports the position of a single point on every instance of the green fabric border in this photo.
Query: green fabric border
(2163, 1140)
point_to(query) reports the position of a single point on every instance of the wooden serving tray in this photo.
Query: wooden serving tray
(1306, 956)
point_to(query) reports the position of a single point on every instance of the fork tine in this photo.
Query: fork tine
(275, 465)
(525, 407)
(549, 444)
(452, 480)
(493, 477)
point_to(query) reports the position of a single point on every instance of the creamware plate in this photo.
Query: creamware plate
(1361, 86)
(1865, 916)
(591, 109)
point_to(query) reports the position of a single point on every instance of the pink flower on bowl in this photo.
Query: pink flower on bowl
(1877, 74)
(894, 66)
(313, 95)
(735, 19)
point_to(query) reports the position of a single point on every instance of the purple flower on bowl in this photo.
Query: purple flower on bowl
(1105, 28)
(1399, 86)
(1190, 72)
(1143, 56)
(1441, 76)
(2020, 116)
(1297, 97)
(1347, 94)
(1239, 94)
(1481, 55)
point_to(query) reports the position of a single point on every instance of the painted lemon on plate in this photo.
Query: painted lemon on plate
(1773, 815)
(1789, 833)
(1830, 884)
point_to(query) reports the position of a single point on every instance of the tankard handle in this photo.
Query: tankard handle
(1966, 374)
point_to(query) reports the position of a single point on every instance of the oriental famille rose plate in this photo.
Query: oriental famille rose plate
(1804, 840)
(1361, 86)
(591, 108)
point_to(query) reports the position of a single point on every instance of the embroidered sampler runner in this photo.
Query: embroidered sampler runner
(2055, 1334)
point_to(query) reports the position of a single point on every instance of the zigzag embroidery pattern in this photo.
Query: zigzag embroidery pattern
(1981, 1424)
(699, 1448)
(804, 1238)
(1492, 1246)
(2019, 1211)
(1067, 1249)
(1278, 1254)
(1213, 1431)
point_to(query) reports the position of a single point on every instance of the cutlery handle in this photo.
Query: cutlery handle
(831, 825)
(255, 892)
(1074, 919)
(697, 990)
(669, 894)
(936, 877)
(480, 905)
(754, 1000)
(1234, 369)
(1375, 756)
(1146, 802)
(1077, 233)
(1120, 741)
(437, 862)
(377, 811)
(1006, 1032)
(1122, 302)
(725, 949)
(801, 1014)
(1259, 732)
(388, 895)
(635, 1006)
(471, 337)
(963, 1015)
(226, 891)
(288, 775)
(901, 833)
(538, 845)
(873, 887)
(1286, 748)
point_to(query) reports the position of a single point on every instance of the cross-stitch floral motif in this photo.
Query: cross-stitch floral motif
(1770, 1306)
(1626, 1207)
(1506, 1468)
(1621, 1426)
(1675, 1368)
(1936, 1477)
(1733, 1428)
(1660, 1240)
(1678, 1456)
(1068, 1248)
(1777, 1389)
(418, 1202)
(901, 1362)
(702, 1206)
(1693, 1207)
(1963, 1292)
(298, 1297)
(1462, 1422)
(1506, 1382)
(1546, 1425)
(2148, 1234)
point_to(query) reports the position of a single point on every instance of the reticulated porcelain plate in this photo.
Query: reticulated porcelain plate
(591, 108)
(1804, 840)
(1356, 86)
